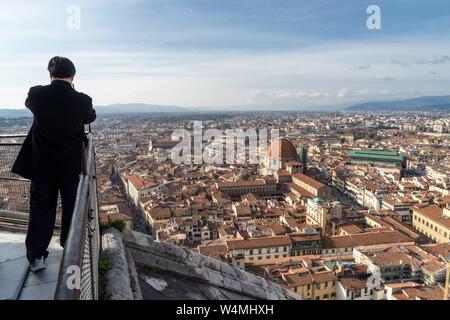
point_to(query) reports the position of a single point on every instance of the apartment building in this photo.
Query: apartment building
(157, 215)
(312, 186)
(306, 244)
(344, 245)
(400, 205)
(320, 212)
(320, 285)
(255, 249)
(238, 188)
(440, 173)
(402, 263)
(356, 287)
(139, 187)
(432, 221)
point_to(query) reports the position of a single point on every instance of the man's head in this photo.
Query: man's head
(61, 68)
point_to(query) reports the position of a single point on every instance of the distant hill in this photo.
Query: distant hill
(109, 109)
(136, 108)
(427, 103)
(14, 113)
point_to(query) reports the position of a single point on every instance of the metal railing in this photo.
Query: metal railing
(78, 273)
(14, 190)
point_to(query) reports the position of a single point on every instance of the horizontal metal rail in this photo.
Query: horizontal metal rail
(78, 273)
(12, 136)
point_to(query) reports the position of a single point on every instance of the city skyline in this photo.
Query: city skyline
(240, 151)
(209, 54)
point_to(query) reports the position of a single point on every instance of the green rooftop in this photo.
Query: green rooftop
(376, 154)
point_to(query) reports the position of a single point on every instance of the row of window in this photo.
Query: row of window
(359, 293)
(326, 251)
(431, 226)
(268, 250)
(268, 257)
(318, 286)
(322, 297)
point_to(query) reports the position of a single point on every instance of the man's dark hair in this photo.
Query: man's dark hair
(61, 67)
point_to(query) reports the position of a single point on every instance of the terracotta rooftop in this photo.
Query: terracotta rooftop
(283, 149)
(309, 181)
(353, 283)
(433, 212)
(365, 239)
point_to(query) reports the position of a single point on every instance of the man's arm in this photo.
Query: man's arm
(30, 101)
(90, 114)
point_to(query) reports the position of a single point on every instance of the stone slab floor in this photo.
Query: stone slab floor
(16, 281)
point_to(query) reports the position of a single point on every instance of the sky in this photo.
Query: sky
(228, 53)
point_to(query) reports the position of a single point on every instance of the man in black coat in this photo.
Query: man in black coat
(52, 155)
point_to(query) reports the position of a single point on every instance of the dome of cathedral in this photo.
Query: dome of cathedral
(282, 149)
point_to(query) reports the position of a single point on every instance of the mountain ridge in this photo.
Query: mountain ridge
(424, 103)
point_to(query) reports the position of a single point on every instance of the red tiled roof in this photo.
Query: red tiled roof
(365, 239)
(283, 149)
(310, 181)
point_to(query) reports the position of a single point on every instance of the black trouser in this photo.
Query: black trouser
(43, 203)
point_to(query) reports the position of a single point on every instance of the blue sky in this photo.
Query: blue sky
(230, 52)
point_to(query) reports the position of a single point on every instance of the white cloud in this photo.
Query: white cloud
(385, 78)
(437, 59)
(316, 74)
(362, 66)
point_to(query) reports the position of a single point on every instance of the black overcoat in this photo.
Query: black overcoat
(52, 150)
